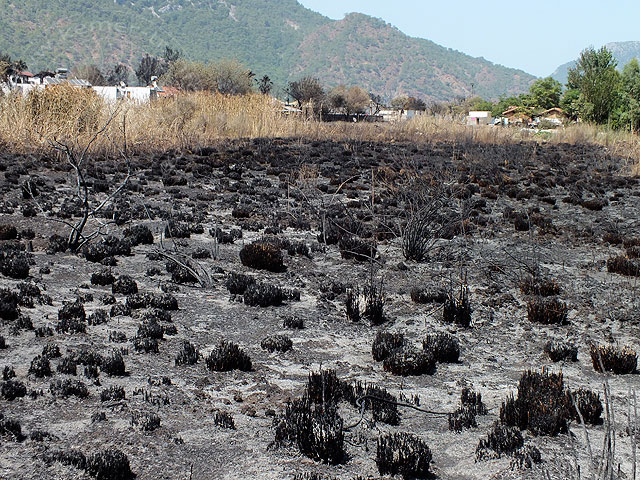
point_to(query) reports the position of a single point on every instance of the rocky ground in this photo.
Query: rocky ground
(537, 243)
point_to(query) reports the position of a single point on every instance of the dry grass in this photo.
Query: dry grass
(192, 120)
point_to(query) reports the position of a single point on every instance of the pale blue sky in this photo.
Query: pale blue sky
(536, 36)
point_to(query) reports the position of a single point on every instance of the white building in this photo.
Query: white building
(479, 117)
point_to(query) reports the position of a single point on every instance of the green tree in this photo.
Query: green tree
(628, 111)
(570, 103)
(598, 81)
(545, 93)
(148, 67)
(306, 90)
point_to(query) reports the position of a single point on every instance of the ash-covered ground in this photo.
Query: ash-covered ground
(520, 255)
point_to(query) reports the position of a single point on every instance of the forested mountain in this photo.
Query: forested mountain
(623, 52)
(279, 38)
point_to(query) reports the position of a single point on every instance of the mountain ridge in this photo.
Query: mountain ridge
(279, 38)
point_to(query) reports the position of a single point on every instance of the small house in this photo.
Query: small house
(479, 117)
(554, 115)
(516, 115)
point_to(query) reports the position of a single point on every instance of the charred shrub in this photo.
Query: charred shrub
(164, 301)
(9, 300)
(540, 406)
(227, 356)
(224, 420)
(110, 464)
(407, 360)
(68, 387)
(352, 304)
(147, 422)
(293, 322)
(422, 296)
(14, 266)
(558, 351)
(264, 295)
(177, 230)
(11, 429)
(315, 429)
(444, 347)
(57, 243)
(109, 247)
(150, 329)
(324, 386)
(624, 266)
(614, 359)
(262, 256)
(71, 458)
(119, 310)
(526, 457)
(51, 350)
(403, 454)
(114, 364)
(280, 343)
(8, 232)
(374, 303)
(457, 309)
(124, 285)
(465, 416)
(179, 273)
(8, 373)
(98, 317)
(352, 247)
(539, 286)
(547, 311)
(589, 405)
(12, 389)
(188, 355)
(40, 367)
(381, 403)
(102, 277)
(138, 235)
(146, 345)
(72, 318)
(385, 343)
(201, 253)
(138, 300)
(501, 440)
(68, 366)
(237, 283)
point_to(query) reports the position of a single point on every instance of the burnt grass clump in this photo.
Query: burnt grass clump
(67, 366)
(72, 318)
(124, 285)
(624, 266)
(547, 311)
(381, 403)
(109, 464)
(276, 343)
(315, 429)
(385, 343)
(110, 246)
(223, 420)
(539, 286)
(102, 277)
(237, 283)
(70, 458)
(540, 405)
(188, 354)
(559, 351)
(457, 308)
(408, 360)
(501, 440)
(113, 364)
(424, 296)
(264, 295)
(368, 305)
(68, 387)
(40, 367)
(138, 235)
(613, 359)
(12, 389)
(262, 256)
(403, 454)
(465, 415)
(444, 347)
(9, 300)
(227, 356)
(588, 403)
(352, 247)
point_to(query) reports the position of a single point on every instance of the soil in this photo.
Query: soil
(526, 207)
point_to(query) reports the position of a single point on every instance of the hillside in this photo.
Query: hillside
(623, 52)
(280, 38)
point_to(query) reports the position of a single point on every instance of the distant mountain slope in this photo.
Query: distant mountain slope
(624, 52)
(360, 46)
(279, 38)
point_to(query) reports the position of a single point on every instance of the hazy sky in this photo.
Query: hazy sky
(535, 36)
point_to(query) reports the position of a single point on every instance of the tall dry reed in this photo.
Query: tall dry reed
(192, 120)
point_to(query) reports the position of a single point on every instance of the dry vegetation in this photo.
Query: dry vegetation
(195, 119)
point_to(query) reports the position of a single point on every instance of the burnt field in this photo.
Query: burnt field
(288, 309)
